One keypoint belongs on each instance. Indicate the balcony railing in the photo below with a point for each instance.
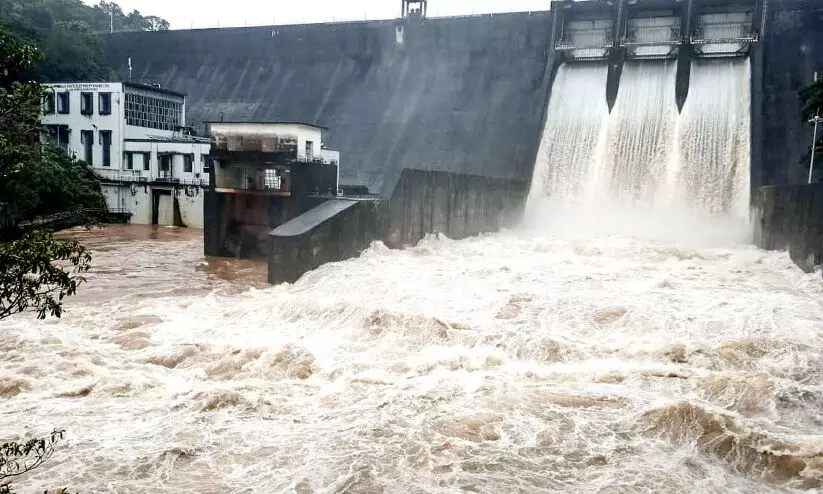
(141, 179)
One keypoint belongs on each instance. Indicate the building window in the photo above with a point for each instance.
(188, 162)
(165, 165)
(105, 141)
(104, 103)
(87, 139)
(48, 103)
(309, 150)
(163, 113)
(86, 103)
(146, 161)
(129, 161)
(204, 163)
(59, 136)
(63, 103)
(272, 180)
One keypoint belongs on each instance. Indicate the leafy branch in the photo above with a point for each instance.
(19, 458)
(31, 277)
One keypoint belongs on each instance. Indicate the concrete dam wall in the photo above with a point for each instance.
(469, 95)
(788, 57)
(462, 95)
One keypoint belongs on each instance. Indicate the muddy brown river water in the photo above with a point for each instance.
(510, 362)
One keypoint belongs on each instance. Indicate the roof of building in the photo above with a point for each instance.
(175, 139)
(136, 85)
(239, 122)
(154, 88)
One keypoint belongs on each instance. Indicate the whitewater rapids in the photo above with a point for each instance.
(509, 362)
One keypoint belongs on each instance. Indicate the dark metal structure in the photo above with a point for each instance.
(623, 30)
(414, 9)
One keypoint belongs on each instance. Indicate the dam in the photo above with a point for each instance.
(578, 307)
(431, 103)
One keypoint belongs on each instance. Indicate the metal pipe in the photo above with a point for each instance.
(814, 144)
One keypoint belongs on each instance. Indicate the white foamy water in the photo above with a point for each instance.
(599, 347)
(641, 132)
(524, 361)
(644, 154)
(575, 135)
(714, 140)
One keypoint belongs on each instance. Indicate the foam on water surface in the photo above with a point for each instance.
(525, 360)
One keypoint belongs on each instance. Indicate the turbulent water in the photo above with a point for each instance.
(644, 153)
(714, 137)
(523, 361)
(574, 137)
(598, 347)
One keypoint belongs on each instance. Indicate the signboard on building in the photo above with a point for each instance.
(85, 86)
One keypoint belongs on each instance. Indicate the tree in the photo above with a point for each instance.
(19, 458)
(31, 278)
(19, 107)
(35, 180)
(37, 271)
(67, 32)
(157, 24)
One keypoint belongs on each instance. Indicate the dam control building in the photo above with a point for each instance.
(445, 119)
(264, 174)
(134, 136)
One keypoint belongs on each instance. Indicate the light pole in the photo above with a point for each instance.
(817, 120)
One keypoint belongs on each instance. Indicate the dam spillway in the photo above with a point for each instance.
(714, 137)
(676, 131)
(644, 152)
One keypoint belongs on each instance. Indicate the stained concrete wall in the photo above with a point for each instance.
(137, 199)
(424, 201)
(333, 231)
(791, 51)
(457, 205)
(463, 95)
(791, 218)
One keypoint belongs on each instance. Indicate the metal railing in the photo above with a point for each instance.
(141, 179)
(77, 214)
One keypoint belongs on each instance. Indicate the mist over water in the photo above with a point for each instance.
(644, 169)
(601, 346)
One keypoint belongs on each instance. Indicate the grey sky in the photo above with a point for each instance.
(184, 14)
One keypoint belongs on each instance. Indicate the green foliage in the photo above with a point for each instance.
(35, 179)
(31, 281)
(57, 184)
(36, 272)
(19, 107)
(16, 57)
(19, 458)
(66, 31)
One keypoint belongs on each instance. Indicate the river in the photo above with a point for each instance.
(519, 361)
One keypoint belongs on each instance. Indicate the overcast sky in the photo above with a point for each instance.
(184, 14)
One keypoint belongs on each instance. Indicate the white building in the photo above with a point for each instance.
(136, 140)
(297, 140)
